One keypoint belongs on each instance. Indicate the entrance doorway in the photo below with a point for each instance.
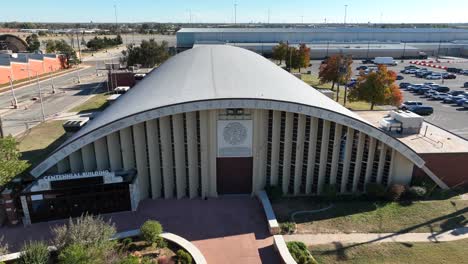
(234, 175)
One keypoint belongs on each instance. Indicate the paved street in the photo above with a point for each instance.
(450, 117)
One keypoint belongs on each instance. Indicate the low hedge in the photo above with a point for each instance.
(300, 253)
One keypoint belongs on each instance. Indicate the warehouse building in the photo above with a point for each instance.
(359, 42)
(215, 120)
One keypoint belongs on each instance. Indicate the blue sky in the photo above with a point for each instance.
(222, 11)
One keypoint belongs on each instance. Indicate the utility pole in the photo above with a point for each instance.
(235, 13)
(52, 79)
(404, 52)
(345, 13)
(268, 15)
(15, 101)
(368, 49)
(79, 46)
(40, 97)
(115, 13)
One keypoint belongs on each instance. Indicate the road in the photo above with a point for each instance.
(450, 117)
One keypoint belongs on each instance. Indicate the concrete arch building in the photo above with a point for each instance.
(218, 120)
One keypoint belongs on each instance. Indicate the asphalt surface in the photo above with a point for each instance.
(449, 117)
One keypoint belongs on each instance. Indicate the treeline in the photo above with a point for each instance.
(295, 58)
(103, 43)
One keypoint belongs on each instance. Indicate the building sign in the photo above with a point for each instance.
(234, 138)
(44, 183)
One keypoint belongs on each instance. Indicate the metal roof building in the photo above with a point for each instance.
(220, 120)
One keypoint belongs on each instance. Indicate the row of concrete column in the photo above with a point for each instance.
(340, 143)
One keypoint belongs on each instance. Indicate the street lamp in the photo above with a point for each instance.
(40, 91)
(15, 101)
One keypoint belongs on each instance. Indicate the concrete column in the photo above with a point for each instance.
(166, 152)
(323, 155)
(139, 137)
(383, 150)
(24, 205)
(263, 148)
(259, 147)
(63, 166)
(76, 161)
(126, 144)
(391, 169)
(89, 159)
(347, 158)
(102, 156)
(401, 169)
(154, 158)
(213, 150)
(204, 153)
(311, 154)
(287, 151)
(113, 147)
(336, 154)
(191, 124)
(179, 154)
(275, 142)
(357, 168)
(299, 153)
(370, 159)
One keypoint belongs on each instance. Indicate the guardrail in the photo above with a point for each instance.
(273, 225)
(197, 256)
(282, 249)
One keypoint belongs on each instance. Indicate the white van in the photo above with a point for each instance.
(385, 61)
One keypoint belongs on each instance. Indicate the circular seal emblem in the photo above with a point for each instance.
(235, 133)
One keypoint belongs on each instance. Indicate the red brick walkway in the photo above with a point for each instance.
(226, 230)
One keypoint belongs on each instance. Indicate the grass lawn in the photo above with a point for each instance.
(41, 140)
(95, 103)
(386, 253)
(359, 105)
(363, 216)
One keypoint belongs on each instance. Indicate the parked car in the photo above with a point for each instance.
(409, 104)
(404, 85)
(423, 74)
(455, 93)
(399, 77)
(453, 98)
(440, 96)
(423, 90)
(411, 67)
(442, 89)
(464, 72)
(410, 71)
(465, 104)
(367, 61)
(362, 67)
(465, 85)
(454, 70)
(414, 87)
(461, 101)
(429, 93)
(449, 76)
(433, 76)
(421, 109)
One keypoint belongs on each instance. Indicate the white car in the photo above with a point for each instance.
(441, 96)
(434, 77)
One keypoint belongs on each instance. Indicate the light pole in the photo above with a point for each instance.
(15, 101)
(345, 13)
(235, 13)
(52, 79)
(40, 92)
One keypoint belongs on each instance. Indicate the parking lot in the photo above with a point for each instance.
(448, 116)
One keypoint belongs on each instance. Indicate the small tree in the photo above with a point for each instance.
(377, 88)
(183, 257)
(280, 51)
(34, 253)
(33, 43)
(10, 162)
(151, 231)
(304, 56)
(62, 47)
(76, 254)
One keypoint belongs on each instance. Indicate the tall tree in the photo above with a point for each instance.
(280, 51)
(62, 47)
(293, 59)
(336, 69)
(148, 54)
(377, 88)
(304, 56)
(10, 162)
(33, 43)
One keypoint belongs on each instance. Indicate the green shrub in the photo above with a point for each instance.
(183, 257)
(151, 231)
(35, 252)
(395, 192)
(130, 260)
(76, 254)
(300, 253)
(3, 246)
(126, 242)
(86, 230)
(418, 191)
(148, 260)
(329, 192)
(274, 192)
(287, 227)
(375, 190)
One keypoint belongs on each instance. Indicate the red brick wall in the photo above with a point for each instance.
(48, 65)
(4, 73)
(451, 168)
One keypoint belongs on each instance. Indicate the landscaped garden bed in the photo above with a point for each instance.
(88, 240)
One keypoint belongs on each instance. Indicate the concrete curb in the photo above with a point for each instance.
(273, 225)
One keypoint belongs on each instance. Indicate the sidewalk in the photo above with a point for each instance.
(357, 238)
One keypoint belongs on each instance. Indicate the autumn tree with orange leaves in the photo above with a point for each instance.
(377, 88)
(336, 69)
